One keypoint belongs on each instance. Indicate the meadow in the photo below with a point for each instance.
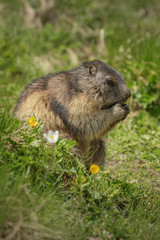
(64, 200)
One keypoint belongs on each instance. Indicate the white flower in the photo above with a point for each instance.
(51, 137)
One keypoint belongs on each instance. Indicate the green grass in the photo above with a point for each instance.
(122, 200)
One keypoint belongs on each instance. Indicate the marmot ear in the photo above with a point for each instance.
(92, 70)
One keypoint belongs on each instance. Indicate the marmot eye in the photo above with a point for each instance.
(109, 81)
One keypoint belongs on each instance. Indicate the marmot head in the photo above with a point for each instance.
(102, 83)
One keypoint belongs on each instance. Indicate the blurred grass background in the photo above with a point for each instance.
(38, 37)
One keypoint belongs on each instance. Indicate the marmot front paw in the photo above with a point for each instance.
(121, 110)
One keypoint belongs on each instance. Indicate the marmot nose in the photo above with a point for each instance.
(128, 95)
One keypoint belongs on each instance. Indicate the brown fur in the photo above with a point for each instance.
(83, 104)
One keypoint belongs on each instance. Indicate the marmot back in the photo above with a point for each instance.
(82, 104)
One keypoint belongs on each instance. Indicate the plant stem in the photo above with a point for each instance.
(51, 162)
(94, 186)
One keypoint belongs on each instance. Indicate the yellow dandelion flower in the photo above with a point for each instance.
(94, 168)
(32, 122)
